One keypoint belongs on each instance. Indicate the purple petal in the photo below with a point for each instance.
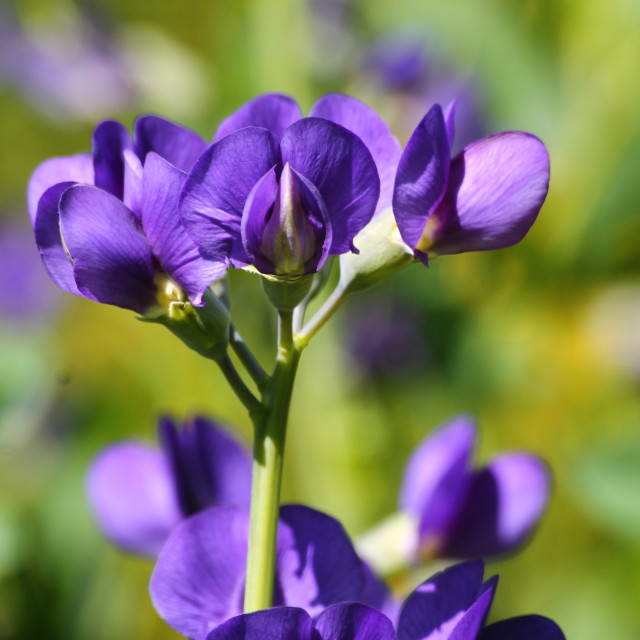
(316, 564)
(47, 233)
(280, 623)
(110, 141)
(473, 620)
(434, 609)
(78, 168)
(112, 261)
(210, 468)
(217, 188)
(273, 111)
(449, 113)
(437, 479)
(523, 628)
(375, 593)
(198, 581)
(422, 176)
(165, 232)
(176, 144)
(340, 166)
(354, 621)
(496, 188)
(285, 227)
(506, 500)
(360, 119)
(132, 496)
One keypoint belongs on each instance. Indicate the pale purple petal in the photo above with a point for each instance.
(198, 581)
(132, 497)
(449, 113)
(475, 617)
(354, 621)
(210, 467)
(372, 130)
(165, 232)
(437, 478)
(316, 564)
(112, 260)
(47, 234)
(215, 192)
(506, 500)
(176, 144)
(433, 610)
(523, 628)
(340, 166)
(273, 111)
(495, 191)
(422, 176)
(279, 623)
(78, 168)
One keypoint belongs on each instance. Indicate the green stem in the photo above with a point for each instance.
(250, 402)
(268, 453)
(253, 367)
(331, 305)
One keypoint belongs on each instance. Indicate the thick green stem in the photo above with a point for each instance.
(268, 453)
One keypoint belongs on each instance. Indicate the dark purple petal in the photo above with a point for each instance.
(437, 479)
(110, 141)
(279, 623)
(198, 581)
(474, 618)
(47, 233)
(78, 168)
(422, 176)
(176, 144)
(215, 192)
(375, 593)
(523, 628)
(112, 261)
(360, 119)
(340, 166)
(209, 466)
(506, 500)
(316, 564)
(434, 609)
(272, 111)
(161, 185)
(132, 497)
(285, 226)
(354, 621)
(496, 188)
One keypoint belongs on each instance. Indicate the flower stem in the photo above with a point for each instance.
(255, 370)
(268, 453)
(331, 305)
(250, 402)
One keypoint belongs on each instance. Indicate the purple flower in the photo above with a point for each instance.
(463, 512)
(139, 493)
(487, 197)
(107, 224)
(198, 582)
(452, 605)
(282, 192)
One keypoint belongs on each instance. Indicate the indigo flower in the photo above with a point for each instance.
(452, 605)
(139, 493)
(198, 582)
(107, 225)
(487, 197)
(463, 512)
(281, 192)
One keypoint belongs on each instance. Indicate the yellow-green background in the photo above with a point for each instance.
(539, 341)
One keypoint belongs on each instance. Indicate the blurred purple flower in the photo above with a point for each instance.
(198, 582)
(107, 224)
(452, 605)
(25, 293)
(139, 493)
(487, 197)
(463, 512)
(282, 192)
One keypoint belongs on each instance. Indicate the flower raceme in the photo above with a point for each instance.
(282, 192)
(452, 605)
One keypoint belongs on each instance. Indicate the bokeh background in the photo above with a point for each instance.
(541, 341)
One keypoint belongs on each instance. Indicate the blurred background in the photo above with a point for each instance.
(541, 341)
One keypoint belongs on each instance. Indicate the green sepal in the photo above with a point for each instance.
(285, 294)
